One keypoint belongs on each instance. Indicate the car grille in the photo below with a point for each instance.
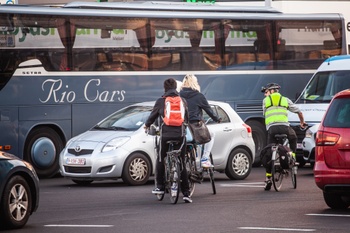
(81, 152)
(77, 169)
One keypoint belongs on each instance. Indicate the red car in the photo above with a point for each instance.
(332, 161)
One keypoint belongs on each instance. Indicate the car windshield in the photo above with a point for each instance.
(324, 86)
(129, 119)
(338, 115)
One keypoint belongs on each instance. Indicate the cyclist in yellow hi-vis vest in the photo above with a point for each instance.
(275, 109)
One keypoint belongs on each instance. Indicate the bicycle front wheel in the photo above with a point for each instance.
(174, 180)
(211, 175)
(277, 176)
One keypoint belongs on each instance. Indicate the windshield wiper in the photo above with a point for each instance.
(99, 127)
(110, 128)
(118, 128)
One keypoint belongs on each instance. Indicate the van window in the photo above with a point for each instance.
(324, 86)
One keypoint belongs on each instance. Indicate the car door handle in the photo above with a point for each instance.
(227, 130)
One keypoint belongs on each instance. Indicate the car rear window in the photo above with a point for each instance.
(338, 114)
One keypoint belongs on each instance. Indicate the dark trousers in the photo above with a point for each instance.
(163, 148)
(283, 129)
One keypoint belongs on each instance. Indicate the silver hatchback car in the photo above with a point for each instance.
(118, 147)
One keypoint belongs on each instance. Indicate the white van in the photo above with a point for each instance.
(331, 77)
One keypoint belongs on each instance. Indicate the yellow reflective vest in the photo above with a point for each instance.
(276, 109)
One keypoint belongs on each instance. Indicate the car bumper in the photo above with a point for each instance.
(97, 167)
(331, 180)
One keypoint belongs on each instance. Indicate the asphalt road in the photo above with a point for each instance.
(239, 206)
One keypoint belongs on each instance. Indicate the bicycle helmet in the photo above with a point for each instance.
(270, 86)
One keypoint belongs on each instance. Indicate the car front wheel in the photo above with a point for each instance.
(239, 164)
(137, 169)
(16, 203)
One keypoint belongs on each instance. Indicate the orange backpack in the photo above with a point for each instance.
(174, 111)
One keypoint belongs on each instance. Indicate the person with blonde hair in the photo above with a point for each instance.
(197, 102)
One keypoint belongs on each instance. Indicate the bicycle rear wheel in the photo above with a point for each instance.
(277, 176)
(211, 175)
(174, 180)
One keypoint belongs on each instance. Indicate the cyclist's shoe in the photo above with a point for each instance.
(205, 163)
(187, 199)
(268, 184)
(158, 191)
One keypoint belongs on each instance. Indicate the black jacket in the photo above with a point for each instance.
(158, 111)
(196, 101)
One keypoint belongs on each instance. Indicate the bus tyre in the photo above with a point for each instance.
(42, 150)
(136, 170)
(16, 194)
(259, 137)
(239, 164)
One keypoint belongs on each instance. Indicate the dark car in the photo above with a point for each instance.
(332, 164)
(19, 191)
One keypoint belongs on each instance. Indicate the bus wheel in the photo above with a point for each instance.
(42, 150)
(259, 137)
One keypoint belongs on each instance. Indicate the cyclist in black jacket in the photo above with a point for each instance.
(167, 133)
(197, 102)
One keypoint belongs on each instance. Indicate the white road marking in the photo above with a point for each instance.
(67, 225)
(330, 215)
(248, 185)
(276, 229)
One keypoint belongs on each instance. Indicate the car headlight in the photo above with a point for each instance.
(115, 143)
(308, 134)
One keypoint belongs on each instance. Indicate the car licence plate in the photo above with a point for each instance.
(76, 161)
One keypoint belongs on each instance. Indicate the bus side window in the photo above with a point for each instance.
(55, 59)
(84, 60)
(132, 61)
(193, 60)
(315, 54)
(159, 61)
(214, 61)
(245, 57)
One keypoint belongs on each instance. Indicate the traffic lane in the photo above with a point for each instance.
(239, 206)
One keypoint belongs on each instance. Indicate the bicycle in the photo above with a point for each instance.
(278, 172)
(195, 174)
(172, 163)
